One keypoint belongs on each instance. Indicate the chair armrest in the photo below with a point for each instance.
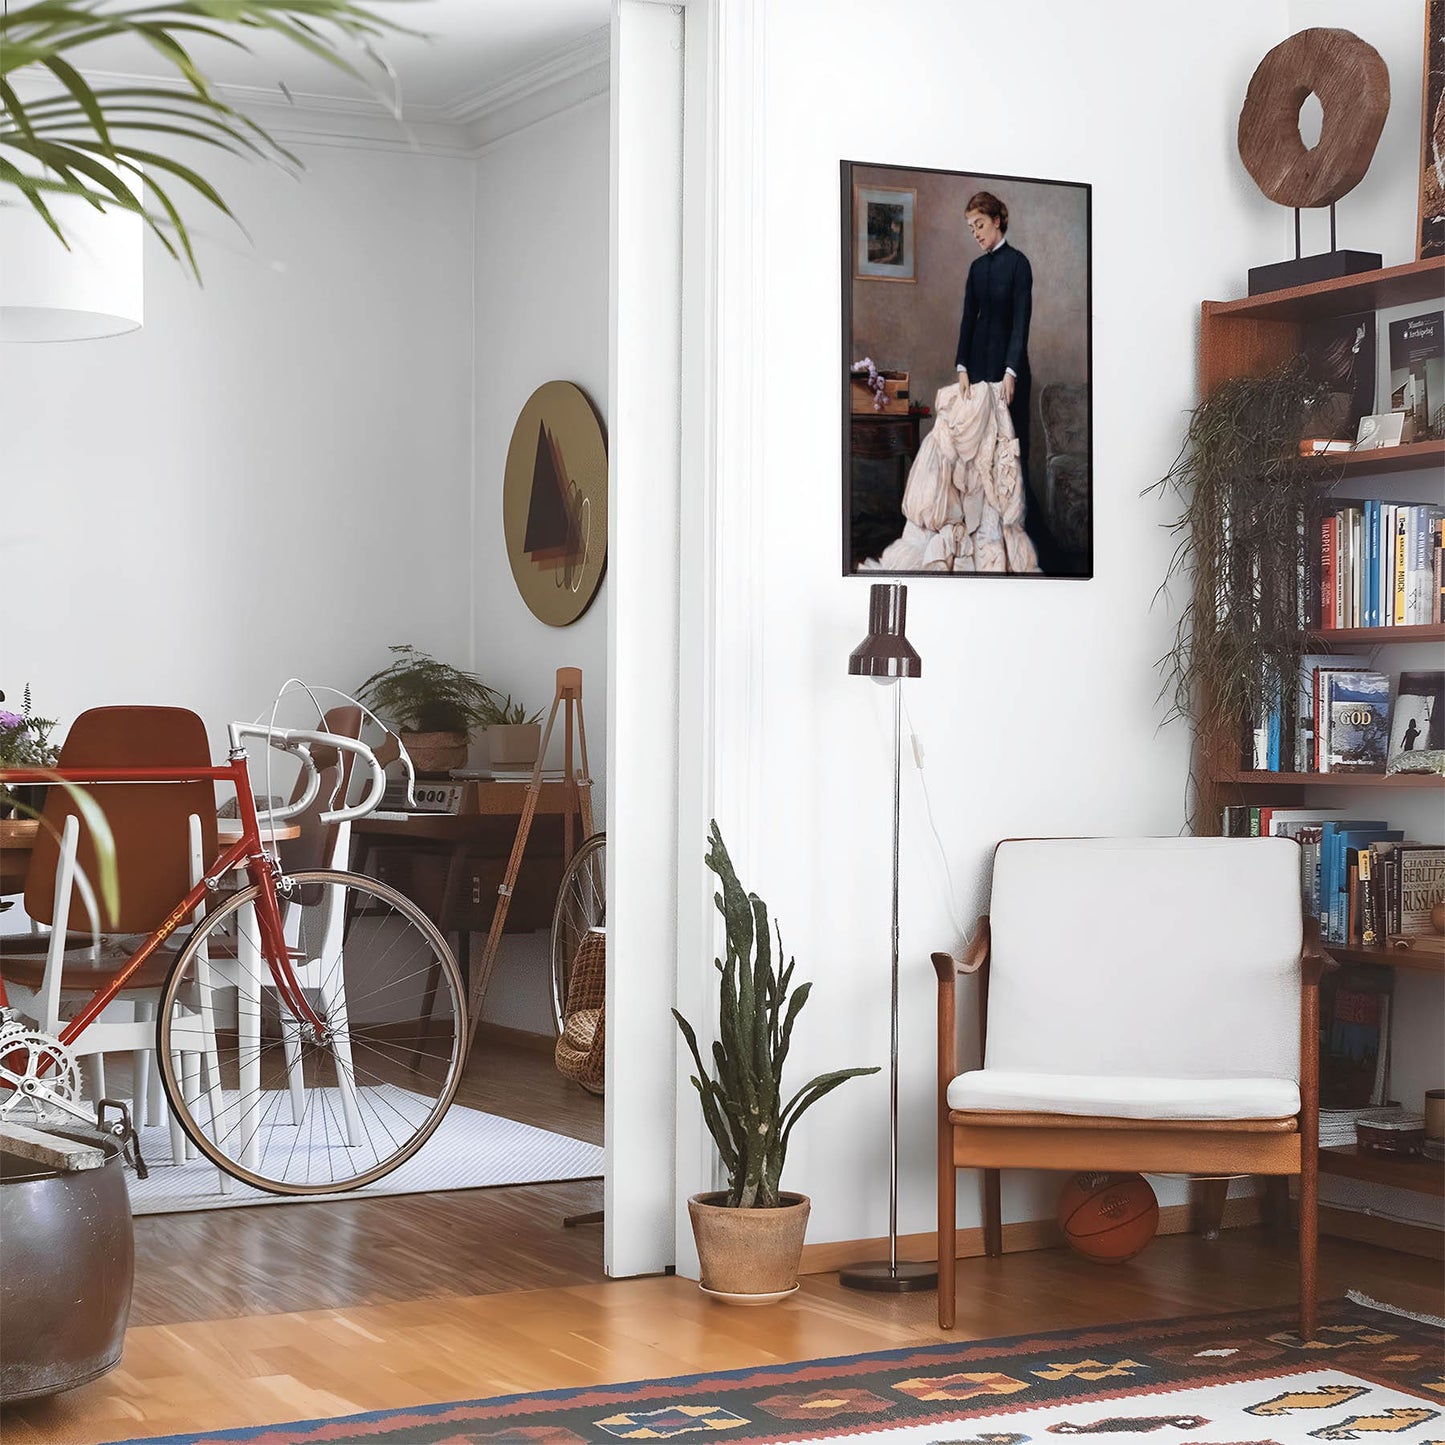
(947, 969)
(974, 958)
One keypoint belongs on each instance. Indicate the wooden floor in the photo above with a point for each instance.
(249, 1317)
(265, 1369)
(224, 1263)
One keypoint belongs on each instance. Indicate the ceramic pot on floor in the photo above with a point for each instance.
(748, 1256)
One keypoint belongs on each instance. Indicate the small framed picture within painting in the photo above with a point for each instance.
(883, 226)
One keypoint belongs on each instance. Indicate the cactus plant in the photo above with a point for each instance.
(742, 1104)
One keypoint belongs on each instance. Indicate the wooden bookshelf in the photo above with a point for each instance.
(1249, 779)
(1381, 461)
(1419, 962)
(1379, 636)
(1400, 1171)
(1251, 337)
(1415, 281)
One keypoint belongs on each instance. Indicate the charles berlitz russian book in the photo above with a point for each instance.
(1420, 882)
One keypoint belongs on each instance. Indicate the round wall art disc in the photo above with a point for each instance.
(554, 503)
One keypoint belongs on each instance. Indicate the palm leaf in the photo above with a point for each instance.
(66, 134)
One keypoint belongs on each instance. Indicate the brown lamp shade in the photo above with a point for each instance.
(886, 653)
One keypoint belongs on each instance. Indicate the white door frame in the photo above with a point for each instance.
(683, 634)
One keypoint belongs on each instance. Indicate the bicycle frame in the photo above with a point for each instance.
(260, 867)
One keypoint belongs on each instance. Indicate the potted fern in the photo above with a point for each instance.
(434, 704)
(750, 1236)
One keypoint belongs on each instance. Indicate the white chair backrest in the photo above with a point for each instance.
(1173, 957)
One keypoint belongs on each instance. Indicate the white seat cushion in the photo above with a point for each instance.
(1119, 1097)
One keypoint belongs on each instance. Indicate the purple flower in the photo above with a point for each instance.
(11, 719)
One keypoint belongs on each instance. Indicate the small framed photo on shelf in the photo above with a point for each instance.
(884, 228)
(1383, 429)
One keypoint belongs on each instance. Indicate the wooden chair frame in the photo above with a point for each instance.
(994, 1140)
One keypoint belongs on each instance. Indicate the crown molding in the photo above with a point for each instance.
(566, 78)
(578, 60)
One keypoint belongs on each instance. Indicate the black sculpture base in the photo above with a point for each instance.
(881, 1278)
(1306, 270)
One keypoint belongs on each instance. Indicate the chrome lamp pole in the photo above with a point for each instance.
(886, 656)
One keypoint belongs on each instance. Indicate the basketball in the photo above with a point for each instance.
(1108, 1217)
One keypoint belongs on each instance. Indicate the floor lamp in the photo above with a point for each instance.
(886, 656)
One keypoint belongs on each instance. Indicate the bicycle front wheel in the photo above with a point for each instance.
(273, 1100)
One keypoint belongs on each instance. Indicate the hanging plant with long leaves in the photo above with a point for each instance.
(94, 142)
(1243, 542)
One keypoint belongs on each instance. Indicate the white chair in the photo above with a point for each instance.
(1144, 1004)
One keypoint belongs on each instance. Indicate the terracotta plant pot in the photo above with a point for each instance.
(748, 1256)
(513, 745)
(434, 755)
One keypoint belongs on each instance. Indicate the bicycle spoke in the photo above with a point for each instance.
(301, 1111)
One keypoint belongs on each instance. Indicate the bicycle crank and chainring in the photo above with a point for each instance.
(38, 1074)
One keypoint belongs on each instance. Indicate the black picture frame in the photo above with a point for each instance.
(914, 330)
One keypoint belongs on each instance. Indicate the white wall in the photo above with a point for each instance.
(1037, 708)
(541, 283)
(303, 420)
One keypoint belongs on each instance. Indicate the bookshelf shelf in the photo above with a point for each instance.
(1420, 962)
(1378, 636)
(1412, 456)
(1416, 281)
(1424, 1176)
(1330, 780)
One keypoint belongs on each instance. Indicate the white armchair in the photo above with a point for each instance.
(1144, 1004)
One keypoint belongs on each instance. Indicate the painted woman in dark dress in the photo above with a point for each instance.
(993, 337)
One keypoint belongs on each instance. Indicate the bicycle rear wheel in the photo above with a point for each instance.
(274, 1102)
(581, 905)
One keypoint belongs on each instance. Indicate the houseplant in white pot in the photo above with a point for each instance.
(750, 1236)
(434, 704)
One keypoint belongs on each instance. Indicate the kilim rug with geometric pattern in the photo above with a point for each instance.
(1236, 1379)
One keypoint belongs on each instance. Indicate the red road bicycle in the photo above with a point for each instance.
(311, 1030)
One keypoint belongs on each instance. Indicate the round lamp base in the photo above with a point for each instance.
(883, 1278)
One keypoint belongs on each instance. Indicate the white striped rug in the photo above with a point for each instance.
(470, 1150)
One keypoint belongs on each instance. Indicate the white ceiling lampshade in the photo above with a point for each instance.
(94, 289)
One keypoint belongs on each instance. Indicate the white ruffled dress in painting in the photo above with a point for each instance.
(964, 502)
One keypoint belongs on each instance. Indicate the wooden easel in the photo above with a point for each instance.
(578, 783)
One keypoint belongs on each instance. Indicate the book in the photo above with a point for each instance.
(1417, 720)
(1419, 885)
(1417, 369)
(1354, 1038)
(1357, 713)
(1305, 760)
(1323, 446)
(1339, 352)
(1420, 587)
(1337, 1126)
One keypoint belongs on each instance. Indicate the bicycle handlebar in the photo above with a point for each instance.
(299, 742)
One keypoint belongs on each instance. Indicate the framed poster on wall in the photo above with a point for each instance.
(967, 417)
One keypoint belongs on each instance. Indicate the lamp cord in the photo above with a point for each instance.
(916, 749)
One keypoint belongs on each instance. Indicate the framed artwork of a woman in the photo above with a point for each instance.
(974, 457)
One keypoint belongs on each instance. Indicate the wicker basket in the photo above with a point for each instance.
(580, 1051)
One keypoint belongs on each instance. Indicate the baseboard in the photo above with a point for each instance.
(1387, 1233)
(1022, 1235)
